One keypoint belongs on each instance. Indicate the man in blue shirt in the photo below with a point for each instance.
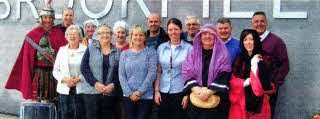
(224, 31)
(156, 35)
(193, 27)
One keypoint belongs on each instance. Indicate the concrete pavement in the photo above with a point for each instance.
(6, 116)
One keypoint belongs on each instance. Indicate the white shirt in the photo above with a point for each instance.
(264, 35)
(228, 40)
(67, 64)
(74, 62)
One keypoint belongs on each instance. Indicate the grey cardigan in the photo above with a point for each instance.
(95, 65)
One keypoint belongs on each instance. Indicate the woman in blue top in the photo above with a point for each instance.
(169, 83)
(137, 72)
(99, 67)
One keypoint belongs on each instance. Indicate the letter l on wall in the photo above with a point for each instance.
(227, 11)
(278, 14)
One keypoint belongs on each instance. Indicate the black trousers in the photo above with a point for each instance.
(170, 106)
(80, 110)
(140, 109)
(98, 106)
(118, 107)
(273, 103)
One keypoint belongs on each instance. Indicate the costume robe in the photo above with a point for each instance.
(22, 72)
(238, 97)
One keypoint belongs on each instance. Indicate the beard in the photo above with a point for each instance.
(155, 31)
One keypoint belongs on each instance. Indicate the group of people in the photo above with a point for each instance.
(88, 77)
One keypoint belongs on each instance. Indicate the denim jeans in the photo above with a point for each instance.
(137, 110)
(67, 106)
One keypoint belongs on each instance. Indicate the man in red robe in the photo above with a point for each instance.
(24, 73)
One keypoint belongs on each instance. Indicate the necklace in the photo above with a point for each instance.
(106, 51)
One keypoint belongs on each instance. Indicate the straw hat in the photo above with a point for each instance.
(212, 102)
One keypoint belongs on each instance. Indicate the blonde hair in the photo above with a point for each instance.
(139, 29)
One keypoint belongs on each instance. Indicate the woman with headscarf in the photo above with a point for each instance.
(90, 27)
(251, 80)
(67, 73)
(99, 67)
(206, 71)
(169, 83)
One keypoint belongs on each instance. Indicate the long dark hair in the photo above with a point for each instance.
(178, 23)
(241, 65)
(257, 49)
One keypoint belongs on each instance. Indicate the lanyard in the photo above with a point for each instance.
(171, 56)
(171, 60)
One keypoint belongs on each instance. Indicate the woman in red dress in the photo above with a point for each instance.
(251, 81)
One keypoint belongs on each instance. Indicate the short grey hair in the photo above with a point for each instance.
(120, 24)
(74, 27)
(192, 17)
(103, 26)
(224, 20)
(68, 9)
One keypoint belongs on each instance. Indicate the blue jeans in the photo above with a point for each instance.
(137, 110)
(67, 106)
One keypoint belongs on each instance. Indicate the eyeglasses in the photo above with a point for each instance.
(104, 33)
(192, 24)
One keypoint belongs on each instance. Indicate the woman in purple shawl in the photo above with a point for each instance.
(208, 65)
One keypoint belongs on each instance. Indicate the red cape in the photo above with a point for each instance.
(21, 74)
(237, 98)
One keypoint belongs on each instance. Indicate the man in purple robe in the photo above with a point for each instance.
(276, 48)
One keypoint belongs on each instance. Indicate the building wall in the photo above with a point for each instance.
(298, 97)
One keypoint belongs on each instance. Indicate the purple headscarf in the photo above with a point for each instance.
(220, 60)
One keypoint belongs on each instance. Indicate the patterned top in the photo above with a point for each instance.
(137, 72)
(171, 80)
(153, 42)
